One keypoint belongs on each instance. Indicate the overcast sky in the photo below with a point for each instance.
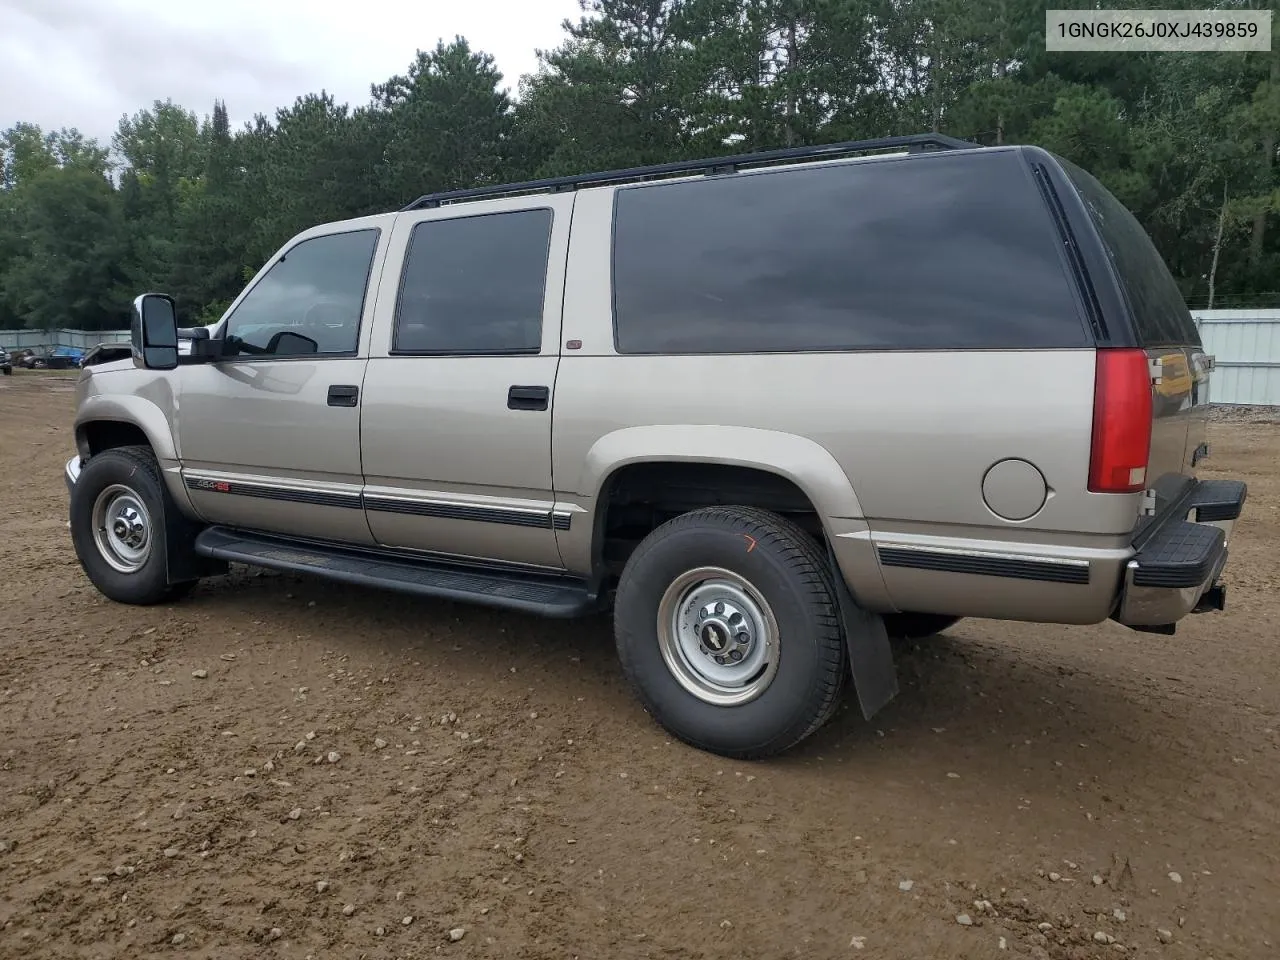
(85, 63)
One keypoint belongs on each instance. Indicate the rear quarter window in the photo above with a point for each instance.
(926, 252)
(1160, 313)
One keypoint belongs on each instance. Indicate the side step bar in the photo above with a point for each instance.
(541, 594)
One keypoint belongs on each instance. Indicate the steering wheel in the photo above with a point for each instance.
(324, 318)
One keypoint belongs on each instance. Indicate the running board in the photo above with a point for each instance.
(542, 594)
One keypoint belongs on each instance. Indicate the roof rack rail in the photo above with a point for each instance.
(712, 165)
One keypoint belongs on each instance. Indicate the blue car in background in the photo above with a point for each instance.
(58, 358)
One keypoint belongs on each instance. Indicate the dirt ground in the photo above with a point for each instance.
(1059, 787)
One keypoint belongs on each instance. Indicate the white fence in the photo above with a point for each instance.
(79, 339)
(1245, 345)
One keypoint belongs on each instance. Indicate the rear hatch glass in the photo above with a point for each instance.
(1165, 328)
(1159, 309)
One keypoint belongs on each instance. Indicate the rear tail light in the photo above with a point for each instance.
(1121, 422)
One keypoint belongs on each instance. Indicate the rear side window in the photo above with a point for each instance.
(474, 285)
(1158, 308)
(915, 253)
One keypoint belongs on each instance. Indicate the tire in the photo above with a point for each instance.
(779, 582)
(119, 506)
(917, 626)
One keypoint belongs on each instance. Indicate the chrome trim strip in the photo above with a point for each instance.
(201, 483)
(989, 563)
(453, 510)
(548, 518)
(401, 498)
(992, 554)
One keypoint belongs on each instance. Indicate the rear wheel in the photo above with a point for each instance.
(119, 507)
(727, 628)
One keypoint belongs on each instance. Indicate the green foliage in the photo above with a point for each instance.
(188, 205)
(447, 123)
(65, 274)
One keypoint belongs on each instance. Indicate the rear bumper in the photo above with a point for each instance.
(1148, 583)
(1176, 568)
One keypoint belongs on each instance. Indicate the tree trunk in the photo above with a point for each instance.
(935, 91)
(937, 107)
(1002, 71)
(792, 56)
(1268, 161)
(1217, 246)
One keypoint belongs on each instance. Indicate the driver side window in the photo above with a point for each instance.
(315, 291)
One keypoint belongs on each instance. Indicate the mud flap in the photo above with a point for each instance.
(182, 563)
(870, 653)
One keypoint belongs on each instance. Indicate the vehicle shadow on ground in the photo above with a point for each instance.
(989, 705)
(1036, 721)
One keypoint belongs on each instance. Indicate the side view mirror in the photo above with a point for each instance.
(286, 343)
(154, 332)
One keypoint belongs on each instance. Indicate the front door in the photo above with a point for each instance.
(269, 437)
(456, 435)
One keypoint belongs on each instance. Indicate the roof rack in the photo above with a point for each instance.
(715, 165)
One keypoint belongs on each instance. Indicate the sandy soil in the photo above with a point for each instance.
(1059, 787)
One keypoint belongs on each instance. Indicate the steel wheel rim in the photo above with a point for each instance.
(122, 529)
(718, 636)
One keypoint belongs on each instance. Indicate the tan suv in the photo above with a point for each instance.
(774, 409)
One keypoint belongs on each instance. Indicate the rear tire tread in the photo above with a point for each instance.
(798, 550)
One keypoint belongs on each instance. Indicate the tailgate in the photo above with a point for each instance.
(1179, 411)
(1165, 329)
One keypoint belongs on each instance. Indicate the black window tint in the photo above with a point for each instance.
(923, 253)
(475, 285)
(1158, 307)
(316, 290)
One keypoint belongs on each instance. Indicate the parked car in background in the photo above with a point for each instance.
(56, 358)
(6, 363)
(105, 353)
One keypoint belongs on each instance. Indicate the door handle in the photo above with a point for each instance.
(528, 398)
(343, 395)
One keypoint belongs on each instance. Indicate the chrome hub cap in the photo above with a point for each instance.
(718, 636)
(122, 528)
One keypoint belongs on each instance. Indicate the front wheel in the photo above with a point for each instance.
(727, 628)
(119, 507)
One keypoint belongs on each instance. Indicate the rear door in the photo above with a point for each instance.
(1166, 330)
(456, 418)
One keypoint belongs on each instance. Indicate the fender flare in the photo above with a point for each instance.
(148, 417)
(127, 408)
(804, 462)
